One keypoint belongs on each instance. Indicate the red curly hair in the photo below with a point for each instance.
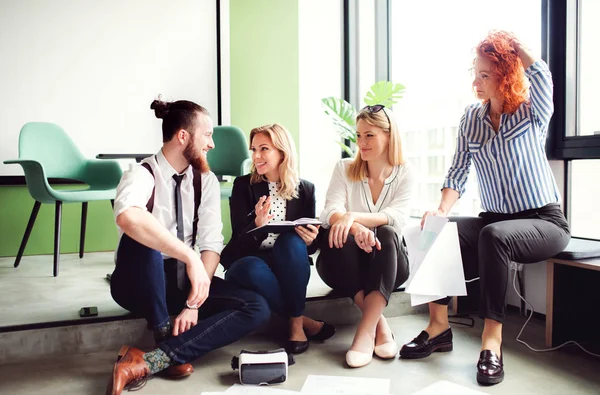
(499, 48)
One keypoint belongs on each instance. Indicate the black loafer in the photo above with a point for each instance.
(422, 346)
(296, 347)
(325, 333)
(490, 368)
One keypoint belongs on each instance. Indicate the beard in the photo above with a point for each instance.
(195, 158)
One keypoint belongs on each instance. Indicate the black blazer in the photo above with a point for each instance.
(241, 203)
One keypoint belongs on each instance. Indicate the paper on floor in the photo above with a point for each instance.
(447, 388)
(341, 385)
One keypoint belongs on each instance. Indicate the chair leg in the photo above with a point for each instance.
(57, 219)
(32, 217)
(84, 207)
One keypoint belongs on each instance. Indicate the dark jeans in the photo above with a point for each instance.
(280, 275)
(489, 243)
(145, 285)
(350, 269)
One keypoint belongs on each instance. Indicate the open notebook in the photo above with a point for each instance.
(285, 226)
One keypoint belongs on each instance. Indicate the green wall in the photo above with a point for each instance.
(264, 64)
(264, 89)
(101, 231)
(15, 209)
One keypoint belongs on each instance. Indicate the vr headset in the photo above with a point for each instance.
(262, 367)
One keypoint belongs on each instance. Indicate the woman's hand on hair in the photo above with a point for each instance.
(338, 233)
(524, 53)
(365, 238)
(261, 210)
(307, 233)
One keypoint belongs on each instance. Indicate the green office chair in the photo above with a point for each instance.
(229, 154)
(46, 151)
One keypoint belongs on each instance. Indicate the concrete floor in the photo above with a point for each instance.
(563, 372)
(38, 297)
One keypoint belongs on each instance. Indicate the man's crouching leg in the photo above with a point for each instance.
(228, 314)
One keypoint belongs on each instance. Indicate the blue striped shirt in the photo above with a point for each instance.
(512, 169)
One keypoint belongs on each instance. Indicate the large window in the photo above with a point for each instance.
(431, 50)
(575, 61)
(589, 67)
(585, 189)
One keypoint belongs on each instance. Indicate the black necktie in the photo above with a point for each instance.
(182, 280)
(178, 209)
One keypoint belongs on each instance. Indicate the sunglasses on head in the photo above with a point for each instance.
(375, 109)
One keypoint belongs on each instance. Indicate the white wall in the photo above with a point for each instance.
(225, 64)
(320, 75)
(94, 67)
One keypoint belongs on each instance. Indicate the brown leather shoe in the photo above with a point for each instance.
(177, 371)
(172, 372)
(130, 369)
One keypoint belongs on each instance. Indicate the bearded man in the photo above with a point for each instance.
(163, 208)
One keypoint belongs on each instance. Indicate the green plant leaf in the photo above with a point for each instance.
(386, 93)
(344, 130)
(340, 110)
(346, 148)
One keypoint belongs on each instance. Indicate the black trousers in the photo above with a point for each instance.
(489, 243)
(349, 269)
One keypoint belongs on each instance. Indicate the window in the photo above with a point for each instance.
(585, 189)
(589, 68)
(575, 61)
(431, 53)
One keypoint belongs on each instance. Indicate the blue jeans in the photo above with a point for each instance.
(147, 286)
(280, 275)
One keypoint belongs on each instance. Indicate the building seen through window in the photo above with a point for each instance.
(431, 55)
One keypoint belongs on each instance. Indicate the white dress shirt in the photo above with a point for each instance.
(345, 195)
(135, 190)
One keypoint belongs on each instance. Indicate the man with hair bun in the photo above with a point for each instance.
(164, 208)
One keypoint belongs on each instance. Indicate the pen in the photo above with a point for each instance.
(253, 210)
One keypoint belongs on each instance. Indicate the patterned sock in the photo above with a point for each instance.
(160, 334)
(157, 360)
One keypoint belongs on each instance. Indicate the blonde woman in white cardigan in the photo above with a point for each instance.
(362, 250)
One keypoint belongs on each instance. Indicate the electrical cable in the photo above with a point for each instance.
(529, 318)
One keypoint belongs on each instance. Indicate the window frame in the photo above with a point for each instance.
(562, 30)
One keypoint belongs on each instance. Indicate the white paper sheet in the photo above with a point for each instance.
(435, 261)
(447, 388)
(239, 389)
(341, 385)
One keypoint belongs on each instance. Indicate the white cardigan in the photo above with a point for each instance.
(344, 195)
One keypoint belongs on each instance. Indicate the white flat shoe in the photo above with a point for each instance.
(387, 350)
(356, 359)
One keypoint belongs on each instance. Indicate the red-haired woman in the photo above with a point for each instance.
(504, 136)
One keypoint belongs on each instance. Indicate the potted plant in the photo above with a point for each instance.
(343, 114)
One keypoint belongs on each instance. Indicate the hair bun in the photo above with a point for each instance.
(161, 108)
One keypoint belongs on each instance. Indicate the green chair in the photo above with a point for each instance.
(229, 154)
(46, 151)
